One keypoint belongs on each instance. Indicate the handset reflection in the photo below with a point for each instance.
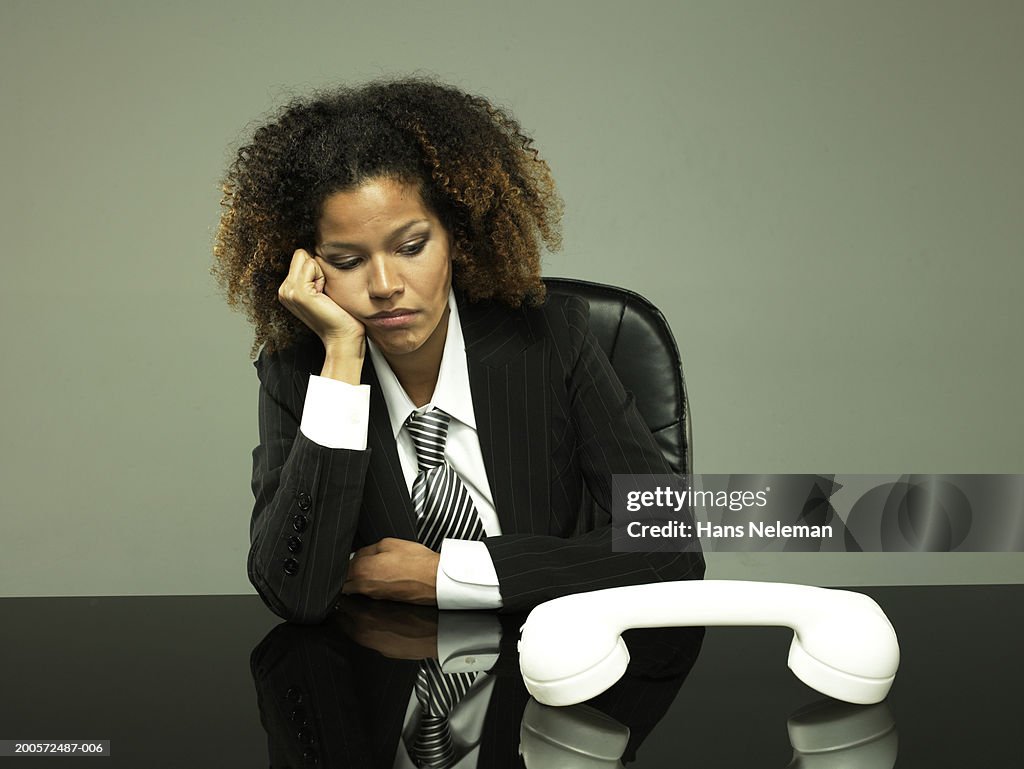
(829, 734)
(577, 737)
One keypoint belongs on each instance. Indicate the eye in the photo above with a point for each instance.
(412, 249)
(345, 264)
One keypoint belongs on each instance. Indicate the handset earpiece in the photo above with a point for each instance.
(571, 648)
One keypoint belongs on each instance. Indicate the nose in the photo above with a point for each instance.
(384, 279)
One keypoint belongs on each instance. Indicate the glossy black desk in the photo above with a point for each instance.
(168, 681)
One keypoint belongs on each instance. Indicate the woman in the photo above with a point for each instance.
(402, 222)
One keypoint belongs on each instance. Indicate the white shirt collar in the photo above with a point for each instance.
(451, 393)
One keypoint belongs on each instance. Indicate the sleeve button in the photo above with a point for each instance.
(294, 545)
(299, 523)
(305, 501)
(291, 567)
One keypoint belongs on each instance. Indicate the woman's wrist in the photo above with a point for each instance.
(344, 361)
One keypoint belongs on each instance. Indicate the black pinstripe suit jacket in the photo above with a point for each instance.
(554, 424)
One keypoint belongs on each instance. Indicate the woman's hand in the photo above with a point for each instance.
(394, 570)
(344, 337)
(302, 293)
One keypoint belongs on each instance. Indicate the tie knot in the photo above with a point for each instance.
(429, 431)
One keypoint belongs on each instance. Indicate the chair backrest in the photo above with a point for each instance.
(639, 343)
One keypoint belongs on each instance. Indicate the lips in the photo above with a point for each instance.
(393, 318)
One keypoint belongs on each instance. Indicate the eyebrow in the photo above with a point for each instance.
(396, 234)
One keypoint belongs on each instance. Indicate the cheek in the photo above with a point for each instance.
(429, 279)
(441, 276)
(340, 294)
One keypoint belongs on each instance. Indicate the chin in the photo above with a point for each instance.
(394, 346)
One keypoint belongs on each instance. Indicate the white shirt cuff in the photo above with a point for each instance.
(336, 414)
(465, 576)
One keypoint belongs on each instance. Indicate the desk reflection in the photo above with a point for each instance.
(342, 693)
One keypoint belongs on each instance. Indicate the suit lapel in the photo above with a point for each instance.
(386, 498)
(508, 379)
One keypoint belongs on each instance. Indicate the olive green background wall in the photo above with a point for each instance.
(824, 197)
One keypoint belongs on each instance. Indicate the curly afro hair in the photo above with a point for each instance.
(475, 168)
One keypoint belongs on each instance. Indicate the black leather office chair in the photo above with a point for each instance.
(639, 343)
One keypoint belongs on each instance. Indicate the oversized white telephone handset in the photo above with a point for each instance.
(571, 648)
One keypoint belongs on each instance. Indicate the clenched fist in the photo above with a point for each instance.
(302, 293)
(344, 337)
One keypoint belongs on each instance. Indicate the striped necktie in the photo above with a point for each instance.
(444, 509)
(443, 506)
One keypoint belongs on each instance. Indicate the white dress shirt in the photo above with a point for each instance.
(336, 415)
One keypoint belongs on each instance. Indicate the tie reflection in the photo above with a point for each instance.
(396, 686)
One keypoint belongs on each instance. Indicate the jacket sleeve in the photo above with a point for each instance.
(307, 501)
(611, 437)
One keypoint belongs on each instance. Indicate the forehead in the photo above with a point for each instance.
(374, 208)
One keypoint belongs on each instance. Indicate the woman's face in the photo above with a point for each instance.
(387, 261)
